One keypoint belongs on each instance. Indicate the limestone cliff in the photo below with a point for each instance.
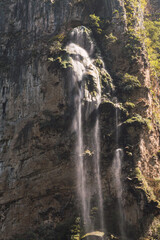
(38, 197)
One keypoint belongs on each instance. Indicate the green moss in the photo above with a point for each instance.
(61, 61)
(116, 14)
(133, 7)
(88, 153)
(94, 21)
(55, 47)
(98, 63)
(136, 118)
(97, 24)
(59, 37)
(110, 39)
(91, 85)
(154, 230)
(129, 154)
(158, 154)
(144, 185)
(129, 83)
(151, 37)
(123, 109)
(94, 211)
(149, 123)
(106, 80)
(154, 183)
(133, 46)
(129, 105)
(140, 120)
(75, 230)
(57, 54)
(108, 102)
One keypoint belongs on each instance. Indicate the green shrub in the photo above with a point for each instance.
(152, 41)
(144, 185)
(75, 230)
(96, 24)
(140, 120)
(91, 85)
(129, 83)
(133, 45)
(106, 80)
(62, 60)
(94, 21)
(98, 63)
(110, 39)
(134, 119)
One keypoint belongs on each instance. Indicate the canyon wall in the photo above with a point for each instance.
(38, 196)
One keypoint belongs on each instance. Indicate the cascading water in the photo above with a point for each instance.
(80, 50)
(97, 168)
(117, 165)
(117, 170)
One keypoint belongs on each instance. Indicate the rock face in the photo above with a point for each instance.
(37, 164)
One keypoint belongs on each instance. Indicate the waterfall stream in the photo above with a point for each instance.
(116, 168)
(117, 173)
(89, 187)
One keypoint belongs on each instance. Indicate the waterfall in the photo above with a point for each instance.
(97, 168)
(80, 50)
(116, 170)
